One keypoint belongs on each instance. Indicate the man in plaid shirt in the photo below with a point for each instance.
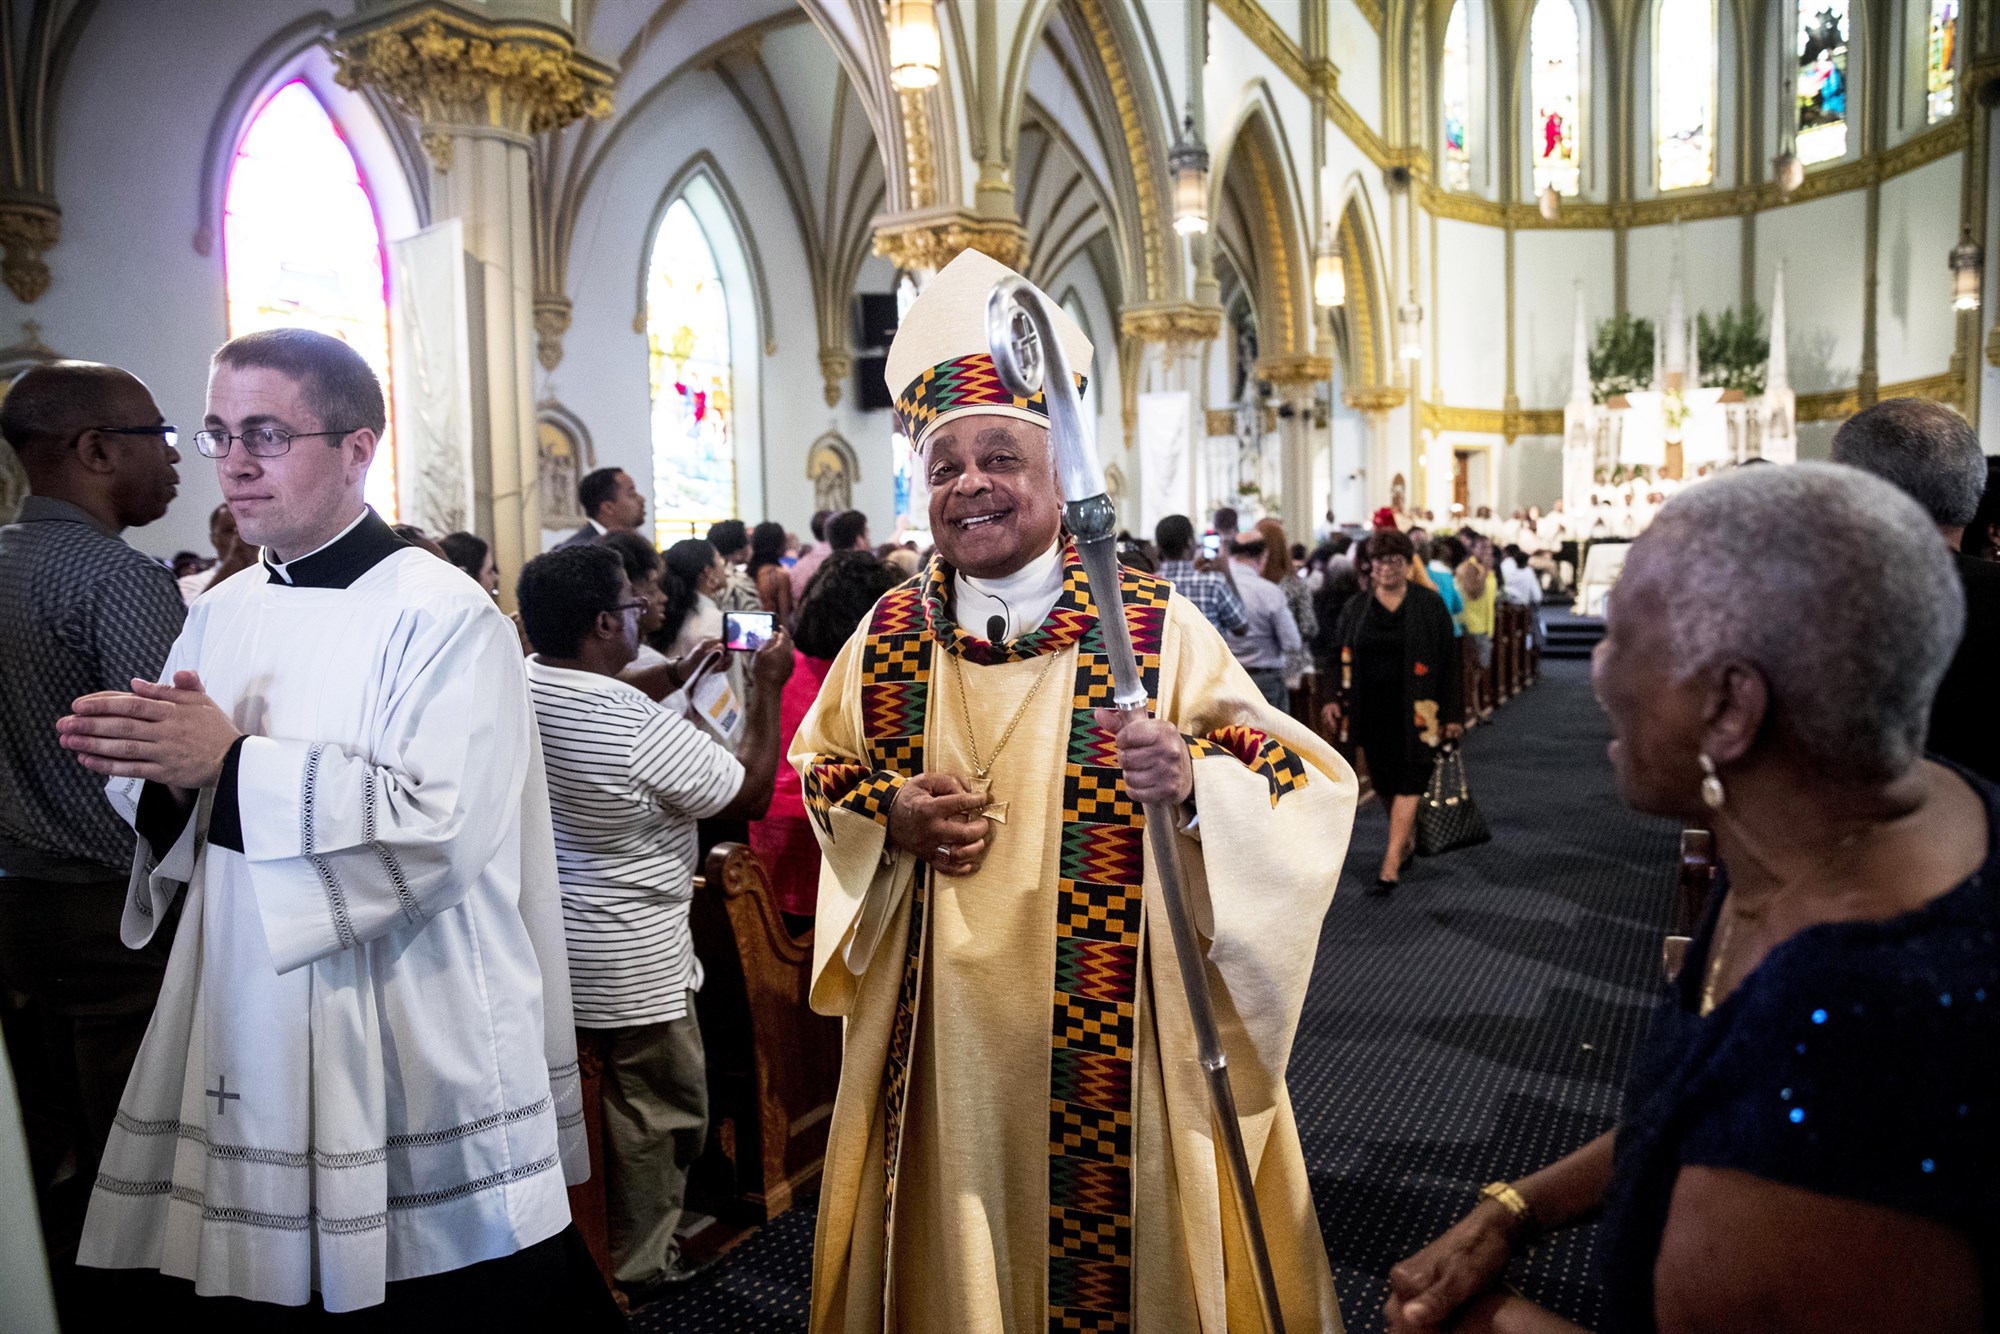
(1213, 593)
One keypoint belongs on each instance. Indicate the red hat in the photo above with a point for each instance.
(1385, 518)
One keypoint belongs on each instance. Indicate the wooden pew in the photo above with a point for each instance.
(1692, 888)
(773, 1065)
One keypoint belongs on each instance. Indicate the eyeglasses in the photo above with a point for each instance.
(263, 442)
(166, 435)
(639, 605)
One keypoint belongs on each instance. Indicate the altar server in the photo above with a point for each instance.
(360, 1086)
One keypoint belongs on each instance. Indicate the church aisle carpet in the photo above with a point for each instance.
(1473, 1027)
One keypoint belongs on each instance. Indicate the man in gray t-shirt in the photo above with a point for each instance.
(80, 611)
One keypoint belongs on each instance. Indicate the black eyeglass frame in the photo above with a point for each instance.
(168, 436)
(226, 440)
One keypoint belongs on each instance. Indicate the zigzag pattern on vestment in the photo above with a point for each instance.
(1259, 752)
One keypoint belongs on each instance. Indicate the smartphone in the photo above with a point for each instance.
(747, 631)
(1211, 545)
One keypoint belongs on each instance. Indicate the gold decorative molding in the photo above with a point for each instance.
(1918, 151)
(447, 69)
(1377, 398)
(1316, 76)
(1372, 11)
(931, 242)
(1840, 404)
(27, 230)
(919, 164)
(552, 314)
(1510, 423)
(1183, 323)
(1152, 222)
(834, 366)
(1294, 370)
(1993, 345)
(1220, 421)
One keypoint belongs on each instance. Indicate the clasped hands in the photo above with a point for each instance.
(936, 816)
(171, 734)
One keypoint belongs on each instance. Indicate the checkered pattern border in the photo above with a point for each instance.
(963, 382)
(1258, 751)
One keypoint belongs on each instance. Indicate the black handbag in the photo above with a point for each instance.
(1447, 817)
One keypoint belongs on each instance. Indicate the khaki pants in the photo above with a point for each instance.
(655, 1105)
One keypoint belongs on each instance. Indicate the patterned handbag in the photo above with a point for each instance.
(1447, 818)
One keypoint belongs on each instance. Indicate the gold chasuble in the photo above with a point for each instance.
(1022, 1138)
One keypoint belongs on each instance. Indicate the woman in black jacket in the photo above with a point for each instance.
(1399, 689)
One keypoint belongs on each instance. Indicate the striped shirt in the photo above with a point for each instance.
(627, 781)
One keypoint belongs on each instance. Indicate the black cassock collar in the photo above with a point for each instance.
(342, 561)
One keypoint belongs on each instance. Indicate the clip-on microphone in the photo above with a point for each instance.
(996, 629)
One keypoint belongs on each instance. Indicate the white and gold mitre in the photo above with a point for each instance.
(940, 368)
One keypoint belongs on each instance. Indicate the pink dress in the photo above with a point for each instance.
(783, 840)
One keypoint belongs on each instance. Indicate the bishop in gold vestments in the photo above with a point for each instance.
(1022, 1138)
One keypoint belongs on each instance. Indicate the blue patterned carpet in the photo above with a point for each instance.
(1472, 1027)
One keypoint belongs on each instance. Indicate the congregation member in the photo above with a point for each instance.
(1807, 1141)
(359, 1090)
(80, 611)
(1440, 558)
(767, 571)
(1225, 525)
(1281, 568)
(980, 915)
(232, 555)
(611, 504)
(1400, 693)
(1211, 593)
(1520, 585)
(474, 555)
(1478, 588)
(837, 601)
(627, 781)
(847, 531)
(1982, 534)
(1930, 453)
(1269, 640)
(421, 540)
(809, 560)
(731, 540)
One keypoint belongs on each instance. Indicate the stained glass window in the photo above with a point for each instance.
(1556, 48)
(1941, 62)
(1822, 84)
(1684, 76)
(1456, 82)
(302, 248)
(687, 342)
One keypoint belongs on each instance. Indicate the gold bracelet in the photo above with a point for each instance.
(1518, 1209)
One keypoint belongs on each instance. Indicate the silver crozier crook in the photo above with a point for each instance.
(1030, 360)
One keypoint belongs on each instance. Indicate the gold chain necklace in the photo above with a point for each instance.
(1715, 959)
(995, 811)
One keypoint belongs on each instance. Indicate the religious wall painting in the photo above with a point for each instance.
(832, 468)
(1684, 85)
(566, 457)
(1822, 80)
(688, 356)
(1455, 82)
(1556, 89)
(302, 245)
(1940, 62)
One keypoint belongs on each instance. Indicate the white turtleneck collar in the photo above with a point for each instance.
(1022, 599)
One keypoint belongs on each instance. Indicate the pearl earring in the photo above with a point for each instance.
(1711, 784)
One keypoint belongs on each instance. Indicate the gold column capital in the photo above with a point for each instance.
(1377, 398)
(931, 240)
(452, 71)
(27, 230)
(1294, 370)
(1177, 322)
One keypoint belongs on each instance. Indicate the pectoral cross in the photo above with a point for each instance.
(221, 1095)
(996, 811)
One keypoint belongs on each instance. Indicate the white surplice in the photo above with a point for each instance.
(362, 1066)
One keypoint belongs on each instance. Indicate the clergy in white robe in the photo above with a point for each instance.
(361, 1069)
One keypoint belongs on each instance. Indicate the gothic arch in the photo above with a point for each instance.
(1361, 326)
(834, 470)
(703, 166)
(1256, 205)
(382, 140)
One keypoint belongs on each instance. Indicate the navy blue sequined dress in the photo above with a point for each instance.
(1859, 1060)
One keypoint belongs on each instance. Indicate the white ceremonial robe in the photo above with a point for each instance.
(362, 1067)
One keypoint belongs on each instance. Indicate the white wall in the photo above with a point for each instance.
(1821, 244)
(1914, 322)
(1711, 253)
(1470, 313)
(1547, 266)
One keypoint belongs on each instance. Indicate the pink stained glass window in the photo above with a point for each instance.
(302, 247)
(1555, 83)
(1455, 79)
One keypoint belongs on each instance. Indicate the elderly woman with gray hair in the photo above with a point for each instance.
(1810, 1130)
